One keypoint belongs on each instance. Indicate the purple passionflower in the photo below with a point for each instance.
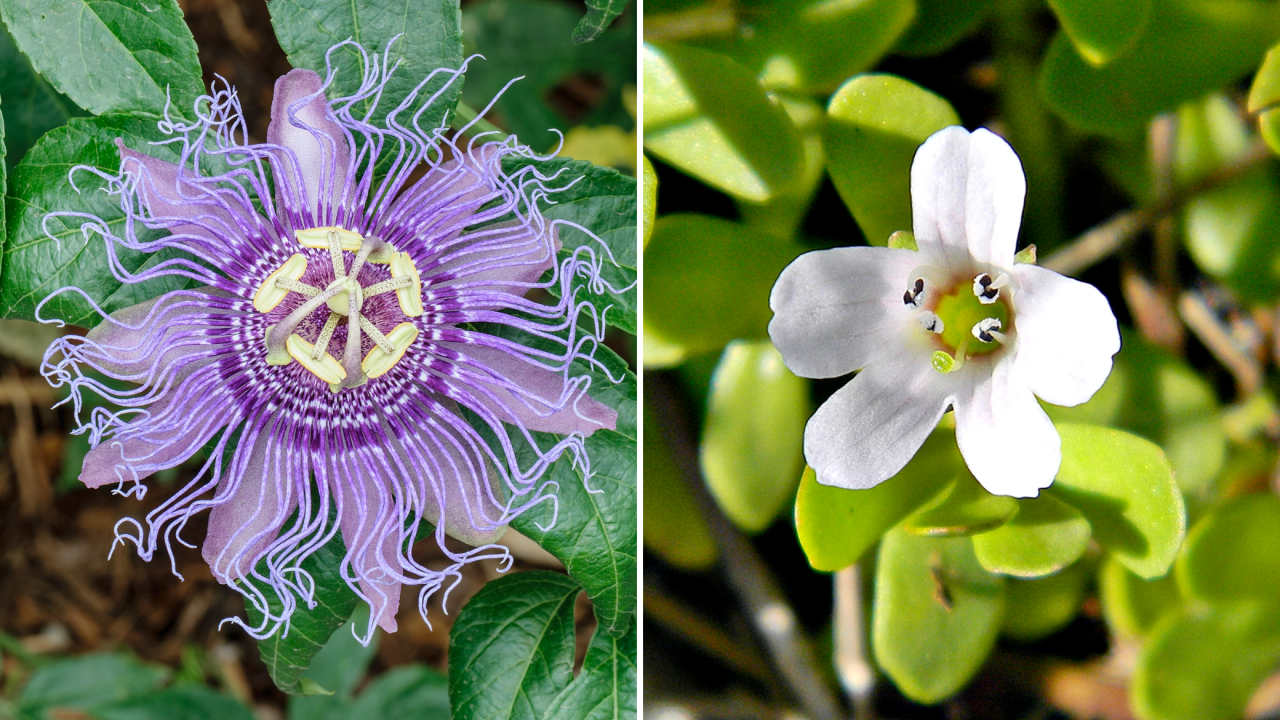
(336, 325)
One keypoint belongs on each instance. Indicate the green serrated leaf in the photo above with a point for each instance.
(34, 264)
(599, 14)
(87, 682)
(752, 435)
(936, 614)
(1124, 487)
(326, 687)
(602, 200)
(606, 687)
(1044, 537)
(180, 702)
(510, 32)
(287, 657)
(31, 106)
(511, 649)
(874, 125)
(707, 281)
(595, 533)
(110, 55)
(708, 116)
(431, 38)
(836, 526)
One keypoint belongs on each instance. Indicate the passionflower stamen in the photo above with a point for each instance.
(406, 378)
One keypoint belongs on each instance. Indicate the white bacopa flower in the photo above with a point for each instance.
(955, 324)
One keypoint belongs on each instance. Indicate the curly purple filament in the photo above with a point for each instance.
(384, 454)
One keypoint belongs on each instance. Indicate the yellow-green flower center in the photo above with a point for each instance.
(960, 312)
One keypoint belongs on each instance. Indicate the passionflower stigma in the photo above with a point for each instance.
(954, 324)
(354, 343)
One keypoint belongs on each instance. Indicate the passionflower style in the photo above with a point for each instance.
(955, 324)
(354, 341)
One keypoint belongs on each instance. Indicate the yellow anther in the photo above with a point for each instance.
(326, 368)
(319, 238)
(410, 297)
(384, 256)
(378, 362)
(270, 295)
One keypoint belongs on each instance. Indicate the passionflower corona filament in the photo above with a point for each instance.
(355, 343)
(953, 324)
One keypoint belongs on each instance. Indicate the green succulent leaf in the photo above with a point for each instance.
(939, 24)
(707, 281)
(1133, 605)
(1124, 487)
(752, 434)
(965, 509)
(673, 526)
(1101, 30)
(936, 614)
(708, 116)
(874, 125)
(430, 38)
(1035, 609)
(110, 55)
(1044, 537)
(1230, 554)
(837, 526)
(511, 649)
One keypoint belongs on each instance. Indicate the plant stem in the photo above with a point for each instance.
(756, 588)
(852, 666)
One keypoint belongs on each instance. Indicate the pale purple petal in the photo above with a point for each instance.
(319, 145)
(247, 521)
(164, 441)
(371, 531)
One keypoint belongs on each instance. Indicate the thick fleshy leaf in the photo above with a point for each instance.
(1133, 605)
(707, 281)
(35, 264)
(511, 648)
(874, 125)
(673, 526)
(1205, 664)
(287, 657)
(1124, 487)
(752, 434)
(649, 201)
(1100, 30)
(1190, 47)
(939, 24)
(1038, 608)
(837, 526)
(31, 106)
(1230, 554)
(936, 614)
(110, 56)
(1044, 537)
(783, 215)
(965, 509)
(606, 687)
(1228, 230)
(810, 46)
(602, 200)
(510, 33)
(431, 38)
(1264, 95)
(707, 116)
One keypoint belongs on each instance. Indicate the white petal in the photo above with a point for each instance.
(868, 430)
(1066, 335)
(1007, 441)
(967, 192)
(838, 310)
